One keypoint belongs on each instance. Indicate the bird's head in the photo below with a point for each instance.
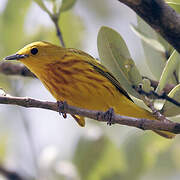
(38, 54)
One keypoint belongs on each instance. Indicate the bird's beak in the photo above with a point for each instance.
(16, 57)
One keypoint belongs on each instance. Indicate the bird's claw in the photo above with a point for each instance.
(108, 116)
(62, 105)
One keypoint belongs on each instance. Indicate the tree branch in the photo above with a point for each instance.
(153, 95)
(8, 68)
(161, 17)
(154, 84)
(10, 175)
(144, 124)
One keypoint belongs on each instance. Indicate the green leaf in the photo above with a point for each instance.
(168, 47)
(173, 1)
(42, 6)
(68, 21)
(150, 41)
(155, 59)
(115, 55)
(3, 147)
(175, 6)
(141, 153)
(67, 4)
(101, 156)
(170, 109)
(170, 67)
(146, 85)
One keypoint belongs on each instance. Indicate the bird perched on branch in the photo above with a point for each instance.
(76, 77)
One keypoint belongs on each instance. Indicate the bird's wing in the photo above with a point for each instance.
(103, 71)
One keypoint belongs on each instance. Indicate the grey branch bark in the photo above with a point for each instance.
(10, 175)
(143, 124)
(154, 84)
(8, 68)
(161, 17)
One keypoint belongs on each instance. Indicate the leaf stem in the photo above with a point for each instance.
(55, 20)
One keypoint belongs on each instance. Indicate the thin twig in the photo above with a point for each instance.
(150, 104)
(176, 77)
(144, 124)
(154, 95)
(10, 175)
(58, 30)
(8, 68)
(154, 84)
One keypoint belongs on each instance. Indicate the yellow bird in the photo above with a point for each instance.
(76, 77)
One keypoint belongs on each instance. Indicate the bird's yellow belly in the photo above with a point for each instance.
(84, 96)
(96, 98)
(89, 94)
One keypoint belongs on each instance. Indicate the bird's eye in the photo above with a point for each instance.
(34, 51)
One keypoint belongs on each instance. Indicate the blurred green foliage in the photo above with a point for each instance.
(101, 159)
(175, 4)
(11, 26)
(66, 5)
(98, 158)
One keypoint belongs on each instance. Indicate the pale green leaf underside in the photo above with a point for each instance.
(67, 4)
(155, 59)
(170, 109)
(115, 55)
(170, 67)
(175, 4)
(150, 41)
(42, 6)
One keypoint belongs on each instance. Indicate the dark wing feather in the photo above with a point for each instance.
(102, 70)
(111, 78)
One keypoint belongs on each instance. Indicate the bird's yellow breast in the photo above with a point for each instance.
(78, 84)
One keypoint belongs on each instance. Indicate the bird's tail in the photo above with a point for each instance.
(79, 119)
(133, 110)
(165, 134)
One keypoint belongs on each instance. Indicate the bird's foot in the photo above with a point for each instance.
(62, 105)
(108, 116)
